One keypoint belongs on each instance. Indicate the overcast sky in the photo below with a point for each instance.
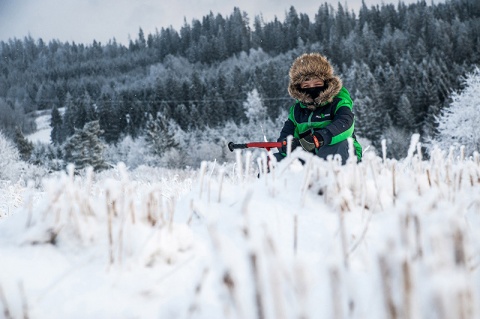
(83, 21)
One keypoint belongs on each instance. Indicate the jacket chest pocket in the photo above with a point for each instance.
(322, 116)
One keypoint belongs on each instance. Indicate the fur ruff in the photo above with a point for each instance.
(310, 66)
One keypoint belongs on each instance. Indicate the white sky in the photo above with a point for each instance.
(83, 21)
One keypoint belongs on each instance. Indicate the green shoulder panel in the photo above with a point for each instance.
(291, 117)
(345, 98)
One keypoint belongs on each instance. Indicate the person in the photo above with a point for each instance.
(321, 120)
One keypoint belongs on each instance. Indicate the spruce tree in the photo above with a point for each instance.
(24, 146)
(56, 123)
(158, 136)
(85, 148)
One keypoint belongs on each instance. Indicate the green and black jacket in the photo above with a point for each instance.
(334, 121)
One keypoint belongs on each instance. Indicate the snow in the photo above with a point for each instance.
(371, 240)
(42, 121)
(42, 134)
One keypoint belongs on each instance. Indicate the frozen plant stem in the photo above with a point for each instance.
(198, 290)
(256, 283)
(407, 289)
(336, 297)
(392, 311)
(110, 234)
(220, 184)
(24, 300)
(394, 191)
(295, 233)
(6, 309)
(203, 167)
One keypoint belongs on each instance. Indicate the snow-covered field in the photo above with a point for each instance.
(42, 134)
(381, 239)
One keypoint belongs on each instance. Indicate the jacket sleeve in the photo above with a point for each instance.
(343, 121)
(288, 129)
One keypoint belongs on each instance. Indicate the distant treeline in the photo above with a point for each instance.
(400, 63)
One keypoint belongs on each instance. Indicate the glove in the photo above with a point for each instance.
(312, 142)
(295, 144)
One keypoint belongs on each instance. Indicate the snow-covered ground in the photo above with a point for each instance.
(42, 134)
(381, 239)
(42, 121)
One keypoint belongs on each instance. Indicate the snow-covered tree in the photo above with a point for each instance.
(254, 108)
(25, 147)
(9, 158)
(85, 148)
(159, 135)
(56, 122)
(458, 123)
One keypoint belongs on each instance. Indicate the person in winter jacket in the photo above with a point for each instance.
(321, 120)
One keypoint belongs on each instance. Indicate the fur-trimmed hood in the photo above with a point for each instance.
(308, 66)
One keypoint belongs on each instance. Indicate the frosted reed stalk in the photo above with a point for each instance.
(248, 158)
(394, 190)
(407, 290)
(6, 308)
(265, 166)
(386, 273)
(110, 231)
(295, 233)
(220, 184)
(352, 158)
(411, 149)
(343, 237)
(289, 144)
(335, 285)
(238, 156)
(384, 150)
(203, 167)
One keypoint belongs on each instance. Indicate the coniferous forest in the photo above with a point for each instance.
(399, 62)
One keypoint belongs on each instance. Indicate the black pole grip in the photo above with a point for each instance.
(232, 146)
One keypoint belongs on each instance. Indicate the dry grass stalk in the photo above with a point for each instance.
(195, 305)
(336, 294)
(238, 157)
(459, 249)
(258, 290)
(362, 236)
(307, 175)
(23, 296)
(203, 168)
(6, 308)
(151, 207)
(465, 305)
(394, 190)
(220, 185)
(110, 228)
(391, 309)
(374, 177)
(248, 158)
(407, 290)
(418, 237)
(429, 178)
(295, 233)
(301, 291)
(274, 275)
(384, 151)
(171, 211)
(229, 283)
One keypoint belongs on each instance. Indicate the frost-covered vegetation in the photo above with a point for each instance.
(379, 239)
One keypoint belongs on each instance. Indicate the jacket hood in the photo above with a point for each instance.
(309, 66)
